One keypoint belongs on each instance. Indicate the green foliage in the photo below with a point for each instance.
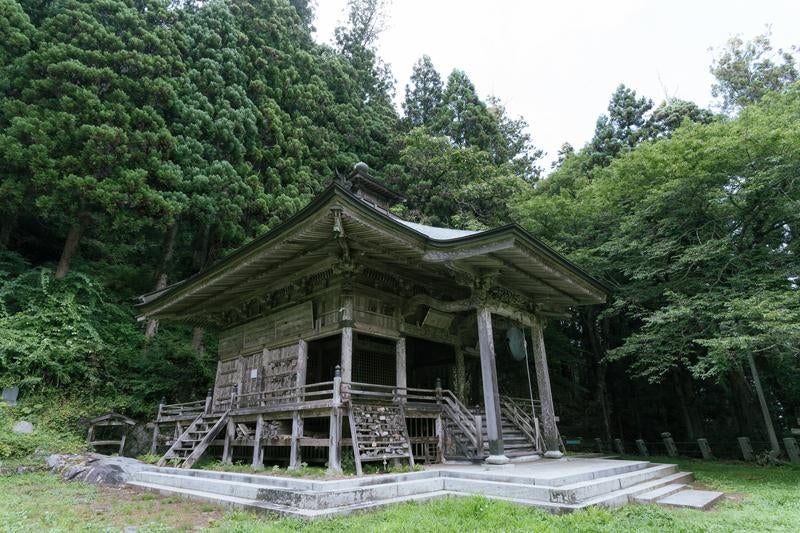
(747, 70)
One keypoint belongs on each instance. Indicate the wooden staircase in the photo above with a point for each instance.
(379, 433)
(193, 442)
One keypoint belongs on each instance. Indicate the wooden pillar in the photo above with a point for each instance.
(295, 453)
(549, 429)
(156, 429)
(491, 394)
(401, 381)
(227, 448)
(460, 384)
(258, 456)
(123, 438)
(335, 432)
(346, 360)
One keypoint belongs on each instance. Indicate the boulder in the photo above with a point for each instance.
(23, 426)
(93, 468)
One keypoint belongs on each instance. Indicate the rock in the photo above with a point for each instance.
(94, 468)
(23, 426)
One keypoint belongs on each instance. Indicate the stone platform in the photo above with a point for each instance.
(558, 486)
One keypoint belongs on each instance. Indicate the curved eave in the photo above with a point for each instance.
(503, 242)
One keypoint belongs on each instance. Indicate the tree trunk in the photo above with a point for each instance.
(742, 397)
(5, 231)
(597, 352)
(687, 419)
(71, 245)
(161, 282)
(773, 438)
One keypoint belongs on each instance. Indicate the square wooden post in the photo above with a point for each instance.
(346, 359)
(549, 429)
(335, 432)
(227, 448)
(491, 394)
(295, 454)
(401, 380)
(258, 456)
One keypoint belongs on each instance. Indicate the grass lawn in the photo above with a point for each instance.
(761, 499)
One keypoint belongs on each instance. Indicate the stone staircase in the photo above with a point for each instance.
(193, 442)
(559, 486)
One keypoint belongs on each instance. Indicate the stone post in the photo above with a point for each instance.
(746, 447)
(549, 429)
(640, 444)
(669, 444)
(705, 449)
(335, 432)
(491, 394)
(618, 445)
(792, 450)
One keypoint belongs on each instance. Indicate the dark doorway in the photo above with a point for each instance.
(374, 360)
(428, 360)
(323, 356)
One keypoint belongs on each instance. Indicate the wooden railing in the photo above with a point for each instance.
(461, 420)
(518, 411)
(284, 396)
(187, 409)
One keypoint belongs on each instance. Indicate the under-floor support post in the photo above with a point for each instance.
(335, 431)
(258, 456)
(227, 448)
(295, 453)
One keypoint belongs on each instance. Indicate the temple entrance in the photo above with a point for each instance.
(374, 360)
(323, 356)
(428, 360)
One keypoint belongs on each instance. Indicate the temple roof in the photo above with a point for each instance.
(311, 239)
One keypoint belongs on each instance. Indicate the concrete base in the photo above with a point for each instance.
(497, 460)
(693, 499)
(559, 487)
(553, 454)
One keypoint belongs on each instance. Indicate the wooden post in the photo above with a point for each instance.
(549, 429)
(227, 449)
(156, 429)
(258, 457)
(90, 435)
(335, 432)
(209, 396)
(478, 435)
(491, 394)
(122, 440)
(295, 453)
(460, 384)
(401, 381)
(346, 361)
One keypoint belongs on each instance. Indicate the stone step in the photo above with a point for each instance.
(662, 492)
(692, 499)
(610, 487)
(292, 497)
(267, 507)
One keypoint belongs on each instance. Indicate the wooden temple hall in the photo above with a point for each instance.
(349, 328)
